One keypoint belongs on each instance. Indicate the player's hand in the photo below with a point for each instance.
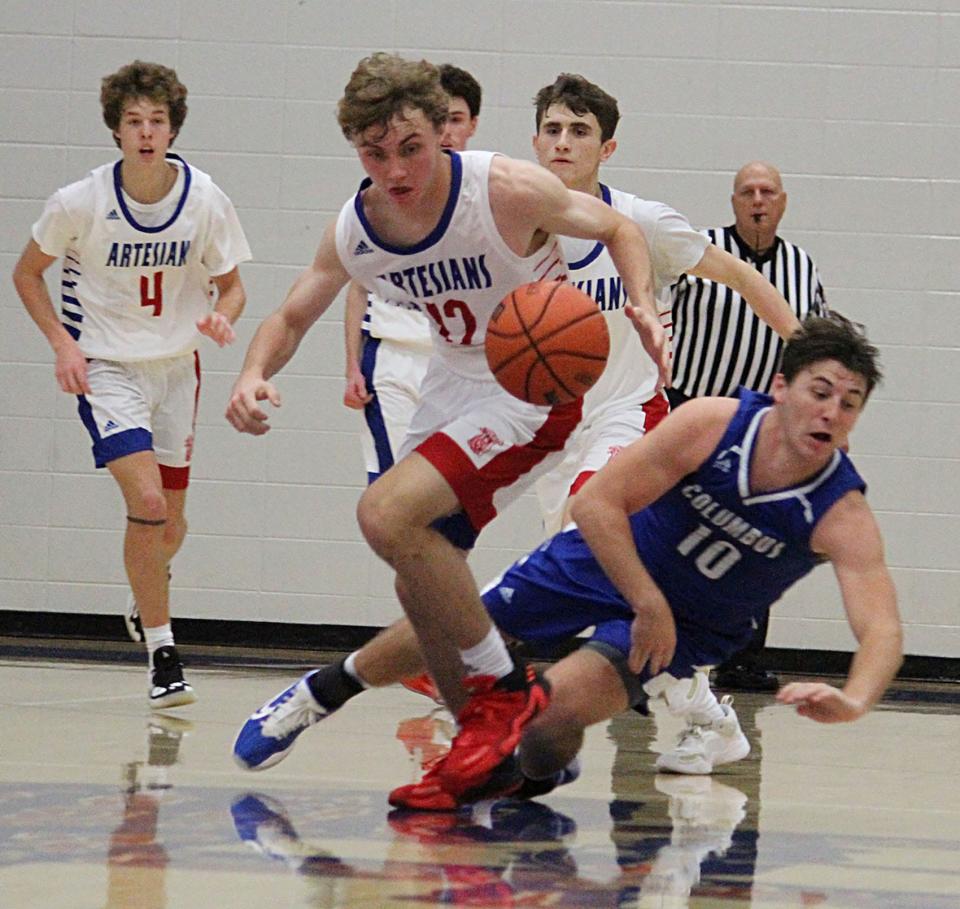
(355, 394)
(244, 412)
(653, 638)
(71, 369)
(654, 339)
(821, 702)
(217, 326)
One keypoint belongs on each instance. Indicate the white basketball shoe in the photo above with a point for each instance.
(704, 746)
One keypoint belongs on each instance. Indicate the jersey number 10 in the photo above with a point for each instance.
(715, 559)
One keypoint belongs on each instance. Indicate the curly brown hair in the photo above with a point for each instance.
(143, 80)
(384, 86)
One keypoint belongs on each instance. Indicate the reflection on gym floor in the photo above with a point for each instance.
(107, 804)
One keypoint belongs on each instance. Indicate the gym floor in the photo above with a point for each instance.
(107, 804)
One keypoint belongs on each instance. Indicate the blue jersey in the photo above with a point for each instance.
(720, 553)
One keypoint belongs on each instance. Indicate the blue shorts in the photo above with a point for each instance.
(547, 617)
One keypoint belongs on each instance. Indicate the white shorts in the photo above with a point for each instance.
(146, 406)
(595, 443)
(393, 373)
(489, 445)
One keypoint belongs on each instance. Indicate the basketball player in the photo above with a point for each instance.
(681, 542)
(388, 346)
(141, 240)
(576, 121)
(451, 234)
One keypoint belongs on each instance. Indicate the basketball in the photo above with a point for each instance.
(547, 343)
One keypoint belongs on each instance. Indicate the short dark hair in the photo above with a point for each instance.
(831, 337)
(458, 83)
(582, 97)
(384, 86)
(143, 80)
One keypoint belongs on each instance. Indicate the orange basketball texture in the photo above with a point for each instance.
(547, 342)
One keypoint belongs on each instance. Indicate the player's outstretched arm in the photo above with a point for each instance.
(639, 475)
(280, 334)
(848, 535)
(71, 364)
(760, 295)
(355, 392)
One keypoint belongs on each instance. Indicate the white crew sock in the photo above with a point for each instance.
(350, 668)
(155, 638)
(489, 657)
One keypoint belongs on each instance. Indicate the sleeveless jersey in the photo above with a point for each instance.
(457, 275)
(133, 291)
(675, 247)
(720, 554)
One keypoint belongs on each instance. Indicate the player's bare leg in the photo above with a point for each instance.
(434, 582)
(144, 555)
(394, 654)
(585, 689)
(147, 549)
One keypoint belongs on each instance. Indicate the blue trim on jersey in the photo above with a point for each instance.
(456, 179)
(372, 412)
(118, 190)
(590, 256)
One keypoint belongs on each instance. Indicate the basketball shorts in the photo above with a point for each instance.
(544, 618)
(144, 406)
(598, 439)
(393, 373)
(488, 445)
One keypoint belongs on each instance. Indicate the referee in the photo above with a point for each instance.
(719, 343)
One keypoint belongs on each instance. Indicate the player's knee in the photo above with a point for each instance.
(149, 508)
(379, 523)
(549, 743)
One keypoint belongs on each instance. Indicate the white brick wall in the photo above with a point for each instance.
(857, 104)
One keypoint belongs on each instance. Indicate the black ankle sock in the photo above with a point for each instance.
(332, 686)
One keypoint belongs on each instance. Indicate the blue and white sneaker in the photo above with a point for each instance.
(270, 733)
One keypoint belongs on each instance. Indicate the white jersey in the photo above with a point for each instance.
(630, 376)
(457, 275)
(137, 277)
(396, 322)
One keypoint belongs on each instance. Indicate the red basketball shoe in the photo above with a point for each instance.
(422, 684)
(490, 725)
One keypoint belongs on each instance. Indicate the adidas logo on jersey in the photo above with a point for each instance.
(109, 425)
(362, 248)
(113, 216)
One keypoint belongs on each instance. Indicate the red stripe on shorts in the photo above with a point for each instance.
(174, 477)
(475, 487)
(654, 411)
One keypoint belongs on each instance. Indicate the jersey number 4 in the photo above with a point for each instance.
(152, 297)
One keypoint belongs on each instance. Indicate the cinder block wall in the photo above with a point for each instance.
(857, 105)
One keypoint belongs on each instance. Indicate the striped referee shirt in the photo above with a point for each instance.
(718, 341)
